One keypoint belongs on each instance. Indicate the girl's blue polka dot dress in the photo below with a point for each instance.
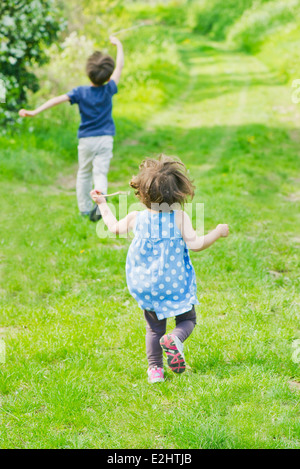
(159, 272)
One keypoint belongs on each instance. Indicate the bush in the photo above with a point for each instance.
(27, 26)
(214, 17)
(260, 21)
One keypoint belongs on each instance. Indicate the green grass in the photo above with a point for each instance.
(75, 371)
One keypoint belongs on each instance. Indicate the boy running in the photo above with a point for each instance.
(97, 128)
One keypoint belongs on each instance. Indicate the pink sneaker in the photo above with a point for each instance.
(155, 375)
(174, 351)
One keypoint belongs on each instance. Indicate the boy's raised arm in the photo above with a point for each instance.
(47, 105)
(116, 75)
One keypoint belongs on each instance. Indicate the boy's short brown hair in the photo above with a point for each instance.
(99, 68)
(162, 181)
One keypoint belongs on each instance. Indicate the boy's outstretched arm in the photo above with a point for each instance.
(114, 226)
(116, 75)
(195, 242)
(47, 105)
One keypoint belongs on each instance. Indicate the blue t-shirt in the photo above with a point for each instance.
(95, 107)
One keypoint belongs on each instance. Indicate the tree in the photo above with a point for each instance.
(26, 27)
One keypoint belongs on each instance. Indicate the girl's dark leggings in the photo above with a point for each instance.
(156, 328)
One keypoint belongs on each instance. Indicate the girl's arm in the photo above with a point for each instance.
(115, 226)
(52, 102)
(195, 242)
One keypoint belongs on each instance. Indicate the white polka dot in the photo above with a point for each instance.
(134, 282)
(169, 302)
(170, 225)
(161, 297)
(155, 304)
(187, 295)
(171, 243)
(175, 297)
(168, 292)
(173, 271)
(167, 266)
(137, 258)
(160, 316)
(140, 290)
(163, 219)
(176, 306)
(179, 264)
(172, 258)
(149, 245)
(143, 251)
(188, 266)
(161, 286)
(149, 258)
(175, 285)
(165, 309)
(168, 279)
(177, 250)
(165, 233)
(155, 252)
(180, 277)
(142, 277)
(172, 313)
(147, 297)
(147, 284)
(181, 290)
(155, 293)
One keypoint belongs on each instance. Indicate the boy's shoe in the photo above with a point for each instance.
(95, 214)
(174, 351)
(155, 375)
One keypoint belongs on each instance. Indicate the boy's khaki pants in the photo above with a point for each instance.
(94, 155)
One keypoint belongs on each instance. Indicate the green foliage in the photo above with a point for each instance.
(26, 28)
(260, 21)
(253, 26)
(214, 17)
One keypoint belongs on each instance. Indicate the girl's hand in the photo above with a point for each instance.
(97, 197)
(25, 113)
(223, 230)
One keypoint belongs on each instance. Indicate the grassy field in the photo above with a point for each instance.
(75, 370)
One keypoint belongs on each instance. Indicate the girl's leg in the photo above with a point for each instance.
(172, 343)
(185, 324)
(155, 329)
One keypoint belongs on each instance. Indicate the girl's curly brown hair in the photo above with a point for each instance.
(162, 181)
